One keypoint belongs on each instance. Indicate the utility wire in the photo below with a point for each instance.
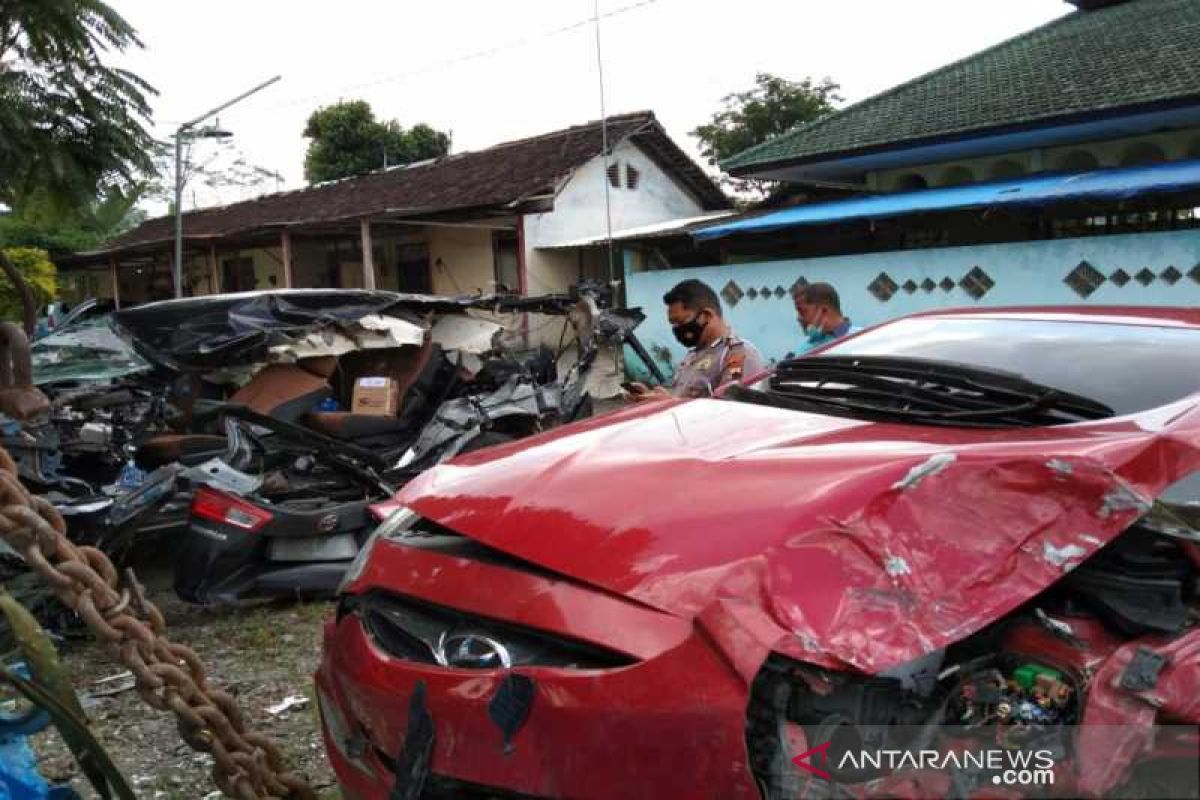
(440, 65)
(604, 146)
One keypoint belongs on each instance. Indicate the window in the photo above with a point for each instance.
(614, 174)
(1005, 168)
(909, 182)
(631, 176)
(956, 176)
(1142, 153)
(1077, 161)
(506, 252)
(412, 268)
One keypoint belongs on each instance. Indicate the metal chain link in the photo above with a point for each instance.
(247, 764)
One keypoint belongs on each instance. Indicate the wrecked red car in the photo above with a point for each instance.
(960, 524)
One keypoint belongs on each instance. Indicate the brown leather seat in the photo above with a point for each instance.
(283, 391)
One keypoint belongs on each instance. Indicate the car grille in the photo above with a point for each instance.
(413, 630)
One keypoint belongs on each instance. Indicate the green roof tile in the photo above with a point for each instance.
(1141, 51)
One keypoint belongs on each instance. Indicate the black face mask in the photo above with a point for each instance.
(688, 333)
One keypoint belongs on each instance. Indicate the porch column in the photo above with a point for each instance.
(368, 255)
(285, 245)
(213, 272)
(116, 284)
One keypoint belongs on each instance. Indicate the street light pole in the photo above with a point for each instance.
(177, 272)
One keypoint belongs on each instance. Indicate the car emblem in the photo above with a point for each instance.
(471, 651)
(327, 523)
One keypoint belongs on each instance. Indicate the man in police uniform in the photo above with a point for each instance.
(716, 356)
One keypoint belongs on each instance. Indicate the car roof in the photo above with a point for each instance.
(1155, 316)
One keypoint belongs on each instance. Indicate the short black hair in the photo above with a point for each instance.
(820, 294)
(693, 295)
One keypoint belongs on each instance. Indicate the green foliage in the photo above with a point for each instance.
(70, 125)
(39, 273)
(40, 223)
(51, 689)
(773, 107)
(348, 140)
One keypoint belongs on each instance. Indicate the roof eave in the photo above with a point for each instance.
(755, 169)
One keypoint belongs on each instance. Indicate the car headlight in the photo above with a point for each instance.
(396, 523)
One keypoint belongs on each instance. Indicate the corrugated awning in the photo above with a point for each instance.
(1043, 190)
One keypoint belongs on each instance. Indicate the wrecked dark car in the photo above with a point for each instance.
(284, 498)
(952, 531)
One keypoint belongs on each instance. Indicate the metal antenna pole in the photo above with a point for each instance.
(604, 147)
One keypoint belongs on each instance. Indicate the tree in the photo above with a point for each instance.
(70, 126)
(37, 271)
(40, 223)
(347, 140)
(772, 108)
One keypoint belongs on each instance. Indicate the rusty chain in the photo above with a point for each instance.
(169, 676)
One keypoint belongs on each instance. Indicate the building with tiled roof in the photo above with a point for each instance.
(1057, 167)
(466, 222)
(1123, 73)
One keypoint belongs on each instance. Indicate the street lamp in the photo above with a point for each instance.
(186, 131)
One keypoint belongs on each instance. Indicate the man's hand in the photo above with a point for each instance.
(638, 392)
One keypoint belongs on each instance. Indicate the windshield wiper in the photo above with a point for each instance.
(919, 390)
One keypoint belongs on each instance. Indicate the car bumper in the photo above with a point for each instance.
(669, 724)
(670, 727)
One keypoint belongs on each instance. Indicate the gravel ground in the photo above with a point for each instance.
(263, 654)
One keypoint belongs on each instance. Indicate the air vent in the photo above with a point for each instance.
(631, 176)
(614, 174)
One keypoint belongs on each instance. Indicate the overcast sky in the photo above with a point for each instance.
(491, 71)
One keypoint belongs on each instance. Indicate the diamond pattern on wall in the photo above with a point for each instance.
(732, 293)
(1171, 275)
(947, 284)
(1084, 279)
(764, 291)
(799, 284)
(1120, 277)
(1145, 277)
(883, 287)
(976, 283)
(780, 291)
(910, 286)
(752, 293)
(928, 285)
(1194, 273)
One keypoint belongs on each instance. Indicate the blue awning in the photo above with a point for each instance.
(1041, 190)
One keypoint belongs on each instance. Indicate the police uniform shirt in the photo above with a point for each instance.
(704, 369)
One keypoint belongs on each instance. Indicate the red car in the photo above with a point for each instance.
(958, 525)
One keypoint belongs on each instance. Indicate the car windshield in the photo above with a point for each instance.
(88, 350)
(1128, 368)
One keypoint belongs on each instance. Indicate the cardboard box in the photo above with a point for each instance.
(376, 396)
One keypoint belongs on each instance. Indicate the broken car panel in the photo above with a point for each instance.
(286, 506)
(983, 535)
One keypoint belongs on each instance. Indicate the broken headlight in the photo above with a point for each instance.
(416, 631)
(398, 521)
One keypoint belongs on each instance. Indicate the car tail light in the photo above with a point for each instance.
(216, 506)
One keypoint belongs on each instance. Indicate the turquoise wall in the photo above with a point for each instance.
(1023, 273)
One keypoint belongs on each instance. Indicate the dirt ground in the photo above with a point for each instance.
(263, 654)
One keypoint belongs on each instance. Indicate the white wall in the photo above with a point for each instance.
(579, 212)
(467, 262)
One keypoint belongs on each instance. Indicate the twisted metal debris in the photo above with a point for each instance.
(170, 677)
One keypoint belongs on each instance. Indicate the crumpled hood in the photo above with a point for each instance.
(837, 541)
